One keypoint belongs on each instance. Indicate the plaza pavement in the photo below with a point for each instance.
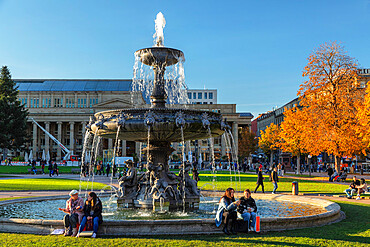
(107, 180)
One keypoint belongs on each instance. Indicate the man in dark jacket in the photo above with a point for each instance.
(330, 172)
(260, 180)
(247, 209)
(274, 180)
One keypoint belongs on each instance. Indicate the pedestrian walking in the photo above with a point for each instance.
(50, 168)
(274, 180)
(56, 170)
(260, 179)
(108, 169)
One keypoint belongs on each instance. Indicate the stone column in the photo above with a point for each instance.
(83, 131)
(76, 105)
(223, 145)
(110, 144)
(52, 100)
(187, 149)
(34, 141)
(64, 100)
(71, 136)
(47, 139)
(28, 100)
(123, 148)
(88, 100)
(235, 135)
(59, 151)
(137, 149)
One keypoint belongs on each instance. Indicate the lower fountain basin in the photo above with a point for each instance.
(319, 212)
(163, 127)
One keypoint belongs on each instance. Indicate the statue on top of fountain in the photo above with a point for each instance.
(190, 184)
(128, 183)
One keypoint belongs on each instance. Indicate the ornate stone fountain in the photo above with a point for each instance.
(158, 126)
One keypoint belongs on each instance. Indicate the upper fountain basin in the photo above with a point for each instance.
(165, 124)
(155, 56)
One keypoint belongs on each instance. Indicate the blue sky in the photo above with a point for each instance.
(252, 52)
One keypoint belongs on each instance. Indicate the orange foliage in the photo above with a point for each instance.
(330, 98)
(270, 138)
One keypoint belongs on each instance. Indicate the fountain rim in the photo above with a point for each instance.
(178, 226)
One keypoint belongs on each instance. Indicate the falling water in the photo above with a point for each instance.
(174, 75)
(234, 156)
(83, 157)
(115, 150)
(147, 147)
(183, 167)
(211, 147)
(228, 158)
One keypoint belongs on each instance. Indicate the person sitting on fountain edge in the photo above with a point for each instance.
(247, 210)
(227, 211)
(92, 211)
(74, 213)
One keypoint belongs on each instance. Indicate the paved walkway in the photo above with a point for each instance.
(107, 180)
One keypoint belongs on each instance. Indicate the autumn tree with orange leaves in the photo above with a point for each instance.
(269, 140)
(330, 96)
(247, 142)
(294, 133)
(363, 116)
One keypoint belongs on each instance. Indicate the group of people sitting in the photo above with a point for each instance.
(82, 214)
(229, 210)
(356, 187)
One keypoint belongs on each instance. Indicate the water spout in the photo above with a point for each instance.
(160, 23)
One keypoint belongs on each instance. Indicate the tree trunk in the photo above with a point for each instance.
(337, 163)
(271, 156)
(299, 164)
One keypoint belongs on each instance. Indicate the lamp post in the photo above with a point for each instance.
(309, 164)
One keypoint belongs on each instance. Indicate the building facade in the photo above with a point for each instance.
(202, 96)
(63, 108)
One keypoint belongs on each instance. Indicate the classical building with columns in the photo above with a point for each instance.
(63, 108)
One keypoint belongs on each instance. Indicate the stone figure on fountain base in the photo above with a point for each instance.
(191, 189)
(128, 183)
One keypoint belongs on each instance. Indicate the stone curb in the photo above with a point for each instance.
(174, 226)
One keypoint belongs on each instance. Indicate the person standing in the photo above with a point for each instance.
(50, 168)
(56, 170)
(108, 169)
(43, 167)
(274, 180)
(330, 172)
(73, 210)
(260, 179)
(92, 211)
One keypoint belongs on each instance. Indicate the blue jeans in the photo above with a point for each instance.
(95, 224)
(275, 186)
(350, 192)
(247, 216)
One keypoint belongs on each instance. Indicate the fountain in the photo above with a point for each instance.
(158, 189)
(158, 126)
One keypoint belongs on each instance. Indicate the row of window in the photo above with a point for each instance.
(204, 103)
(58, 102)
(206, 95)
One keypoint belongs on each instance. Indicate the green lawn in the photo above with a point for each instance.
(23, 169)
(13, 198)
(223, 181)
(44, 184)
(352, 231)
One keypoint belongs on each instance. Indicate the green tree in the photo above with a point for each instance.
(13, 115)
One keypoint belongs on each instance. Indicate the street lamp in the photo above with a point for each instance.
(309, 164)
